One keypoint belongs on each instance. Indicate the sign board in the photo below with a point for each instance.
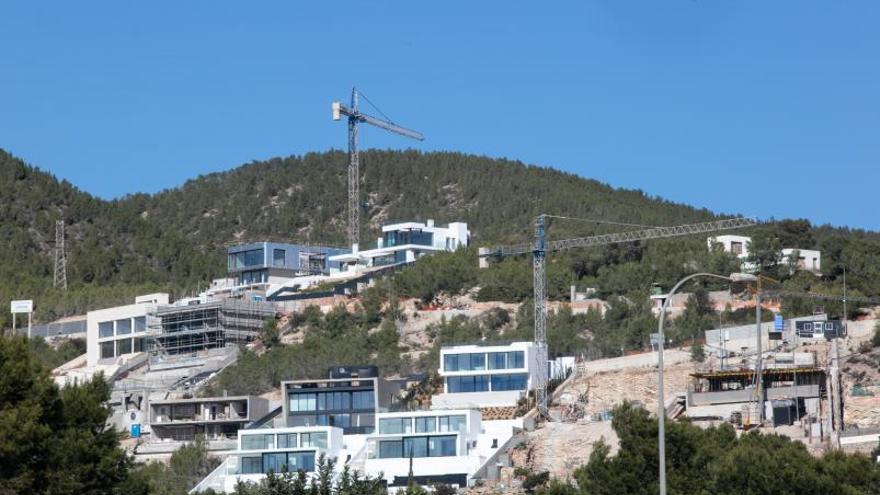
(22, 306)
(135, 430)
(655, 339)
(778, 323)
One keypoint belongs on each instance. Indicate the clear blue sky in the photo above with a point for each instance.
(763, 108)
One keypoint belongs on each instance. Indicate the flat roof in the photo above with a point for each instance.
(204, 399)
(748, 373)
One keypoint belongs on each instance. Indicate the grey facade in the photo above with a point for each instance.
(349, 399)
(217, 418)
(256, 262)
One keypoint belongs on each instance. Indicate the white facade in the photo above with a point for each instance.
(808, 259)
(278, 450)
(734, 244)
(486, 376)
(404, 242)
(115, 332)
(449, 446)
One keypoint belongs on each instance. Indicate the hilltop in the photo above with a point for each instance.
(176, 239)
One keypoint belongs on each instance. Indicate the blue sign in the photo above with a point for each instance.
(135, 430)
(778, 323)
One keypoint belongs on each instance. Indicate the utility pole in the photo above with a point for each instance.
(60, 279)
(759, 378)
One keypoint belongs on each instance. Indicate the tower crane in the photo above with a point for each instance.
(541, 247)
(355, 117)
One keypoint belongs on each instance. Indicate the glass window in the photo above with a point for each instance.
(140, 323)
(340, 420)
(123, 346)
(287, 441)
(317, 440)
(301, 461)
(516, 360)
(478, 362)
(441, 446)
(808, 326)
(461, 384)
(253, 257)
(497, 360)
(395, 425)
(509, 382)
(390, 449)
(123, 327)
(415, 447)
(105, 329)
(139, 345)
(450, 362)
(251, 465)
(829, 327)
(107, 349)
(278, 257)
(363, 400)
(425, 425)
(257, 442)
(277, 463)
(457, 422)
(303, 402)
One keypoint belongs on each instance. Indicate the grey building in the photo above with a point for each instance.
(348, 399)
(217, 418)
(260, 262)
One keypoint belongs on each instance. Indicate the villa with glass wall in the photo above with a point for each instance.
(487, 375)
(273, 262)
(404, 242)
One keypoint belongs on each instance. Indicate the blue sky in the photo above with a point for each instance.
(755, 107)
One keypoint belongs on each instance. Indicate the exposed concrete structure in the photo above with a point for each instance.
(217, 418)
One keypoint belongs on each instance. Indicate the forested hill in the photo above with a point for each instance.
(304, 198)
(175, 239)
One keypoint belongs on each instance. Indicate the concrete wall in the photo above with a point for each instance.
(93, 318)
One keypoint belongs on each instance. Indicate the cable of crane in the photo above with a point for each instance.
(362, 95)
(606, 222)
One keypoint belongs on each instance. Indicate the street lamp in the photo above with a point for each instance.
(661, 405)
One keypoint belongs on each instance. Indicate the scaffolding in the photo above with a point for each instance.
(190, 329)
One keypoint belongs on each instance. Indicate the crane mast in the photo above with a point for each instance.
(540, 247)
(355, 117)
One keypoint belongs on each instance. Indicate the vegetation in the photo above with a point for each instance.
(323, 483)
(188, 465)
(715, 461)
(51, 440)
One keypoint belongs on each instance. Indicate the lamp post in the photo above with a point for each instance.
(661, 405)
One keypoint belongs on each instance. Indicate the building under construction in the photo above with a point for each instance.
(203, 325)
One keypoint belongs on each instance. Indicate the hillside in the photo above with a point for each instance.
(175, 239)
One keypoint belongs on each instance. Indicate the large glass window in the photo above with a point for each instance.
(363, 400)
(303, 402)
(107, 349)
(395, 425)
(123, 327)
(459, 384)
(278, 257)
(251, 465)
(457, 422)
(478, 362)
(139, 345)
(441, 446)
(253, 257)
(317, 440)
(415, 446)
(301, 461)
(257, 442)
(516, 360)
(509, 382)
(390, 449)
(450, 362)
(277, 463)
(140, 323)
(123, 346)
(287, 441)
(105, 329)
(425, 425)
(497, 360)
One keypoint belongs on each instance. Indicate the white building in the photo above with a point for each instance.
(807, 259)
(117, 332)
(405, 242)
(486, 376)
(734, 244)
(278, 450)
